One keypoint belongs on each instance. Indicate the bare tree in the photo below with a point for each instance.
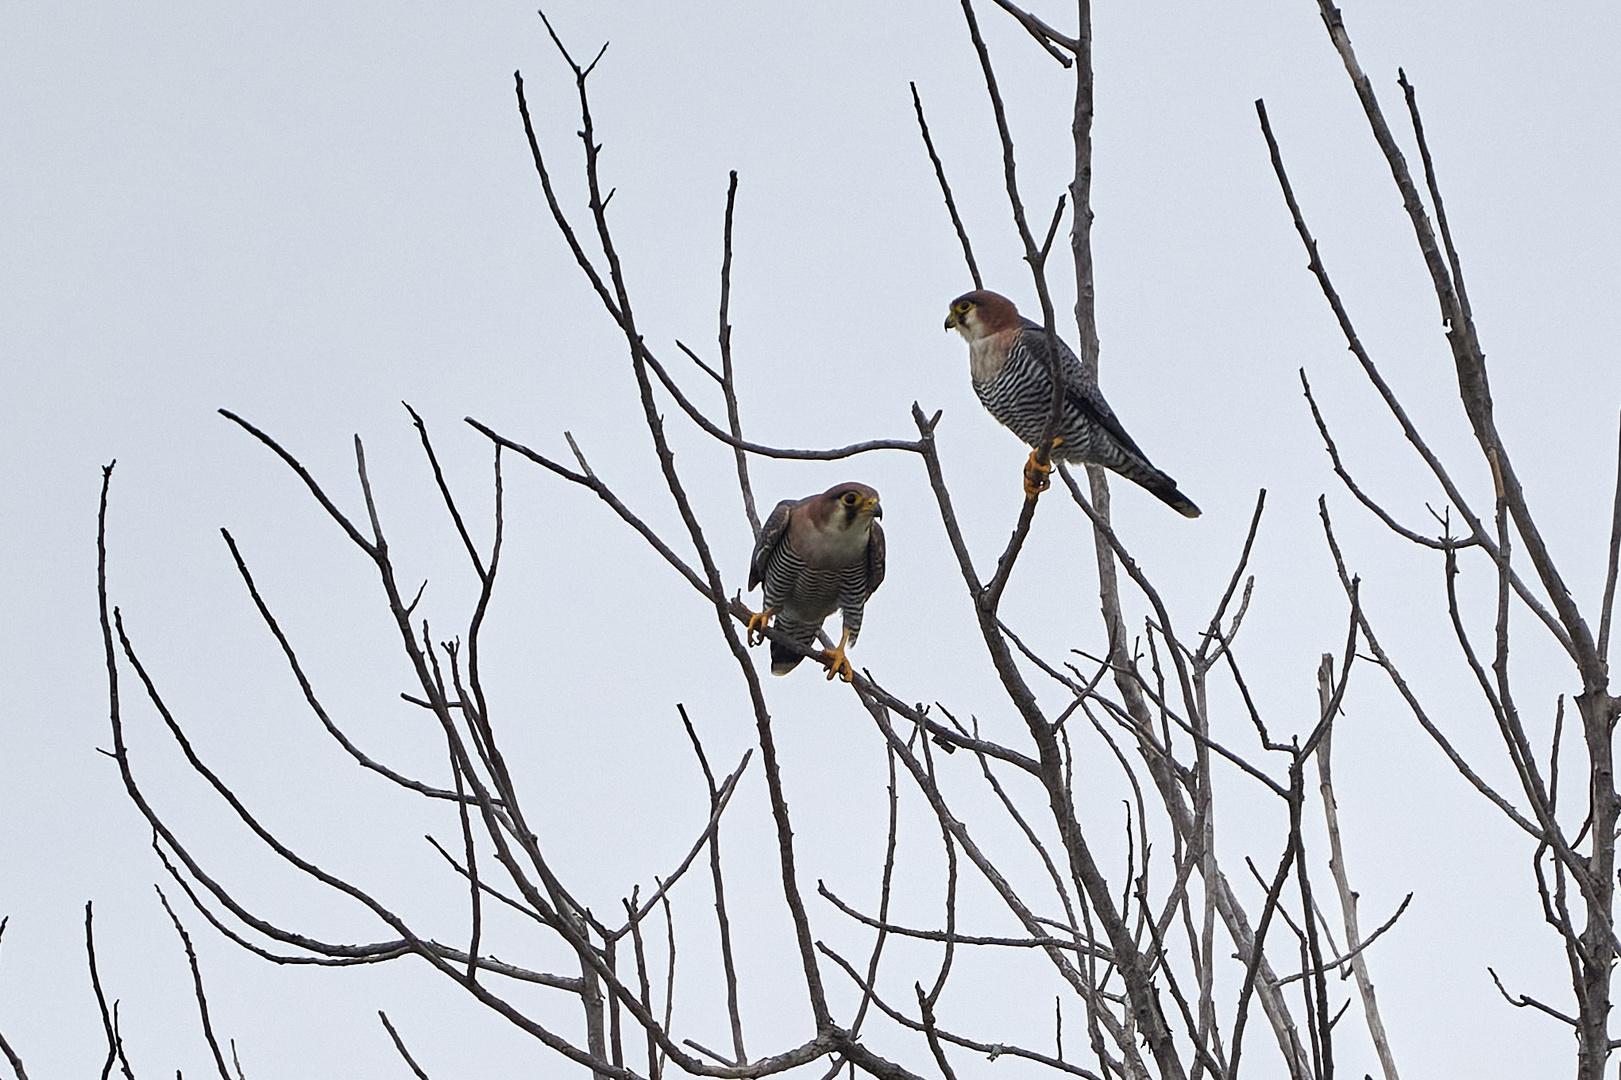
(1583, 855)
(1160, 961)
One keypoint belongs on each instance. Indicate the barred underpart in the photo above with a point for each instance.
(803, 596)
(1020, 397)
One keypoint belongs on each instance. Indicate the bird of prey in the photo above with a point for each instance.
(817, 555)
(1008, 359)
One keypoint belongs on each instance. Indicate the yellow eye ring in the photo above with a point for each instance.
(850, 498)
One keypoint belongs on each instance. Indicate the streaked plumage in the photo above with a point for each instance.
(1007, 358)
(815, 556)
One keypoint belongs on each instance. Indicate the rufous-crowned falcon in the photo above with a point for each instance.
(1008, 359)
(817, 555)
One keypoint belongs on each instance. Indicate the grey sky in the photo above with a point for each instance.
(308, 212)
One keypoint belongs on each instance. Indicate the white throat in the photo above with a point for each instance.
(984, 360)
(837, 545)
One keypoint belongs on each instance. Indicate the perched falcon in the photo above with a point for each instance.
(1007, 357)
(817, 555)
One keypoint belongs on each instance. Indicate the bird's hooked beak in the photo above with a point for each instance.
(951, 320)
(870, 506)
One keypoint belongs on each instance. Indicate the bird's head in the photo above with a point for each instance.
(851, 505)
(981, 313)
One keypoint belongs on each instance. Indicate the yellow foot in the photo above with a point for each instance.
(756, 627)
(836, 662)
(1036, 478)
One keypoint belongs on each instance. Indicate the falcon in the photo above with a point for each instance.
(1008, 360)
(817, 555)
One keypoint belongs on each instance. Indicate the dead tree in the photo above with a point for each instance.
(1574, 866)
(1163, 960)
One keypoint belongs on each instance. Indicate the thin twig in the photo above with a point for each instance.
(945, 189)
(991, 1050)
(740, 1056)
(1409, 429)
(1419, 714)
(926, 1007)
(885, 880)
(1351, 485)
(1045, 36)
(197, 983)
(882, 925)
(728, 383)
(1525, 1001)
(444, 489)
(399, 1044)
(1341, 960)
(115, 1044)
(308, 690)
(1342, 882)
(740, 444)
(11, 1055)
(1607, 609)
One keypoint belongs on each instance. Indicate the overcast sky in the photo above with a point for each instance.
(307, 212)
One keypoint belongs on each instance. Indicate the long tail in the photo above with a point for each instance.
(1159, 485)
(783, 658)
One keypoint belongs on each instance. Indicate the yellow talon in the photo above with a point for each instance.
(1035, 473)
(836, 662)
(755, 633)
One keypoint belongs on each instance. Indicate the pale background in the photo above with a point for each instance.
(308, 212)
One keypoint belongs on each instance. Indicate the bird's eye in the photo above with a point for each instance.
(850, 498)
(962, 308)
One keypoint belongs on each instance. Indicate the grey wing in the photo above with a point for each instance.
(771, 535)
(1078, 391)
(875, 558)
(1089, 400)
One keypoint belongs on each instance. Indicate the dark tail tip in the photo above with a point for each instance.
(784, 658)
(1168, 494)
(1157, 484)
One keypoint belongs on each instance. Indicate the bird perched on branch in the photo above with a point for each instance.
(817, 555)
(1008, 359)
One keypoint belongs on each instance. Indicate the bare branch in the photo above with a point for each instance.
(197, 983)
(399, 1044)
(945, 937)
(719, 799)
(13, 1058)
(444, 489)
(992, 1050)
(945, 189)
(619, 307)
(728, 382)
(604, 493)
(1477, 529)
(1045, 35)
(1340, 961)
(365, 760)
(1524, 1001)
(740, 1056)
(109, 1018)
(926, 1007)
(1342, 879)
(1203, 658)
(740, 444)
(1362, 496)
(11, 1055)
(1402, 688)
(1607, 608)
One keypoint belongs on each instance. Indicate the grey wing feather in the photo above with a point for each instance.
(875, 558)
(1096, 409)
(771, 535)
(1085, 397)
